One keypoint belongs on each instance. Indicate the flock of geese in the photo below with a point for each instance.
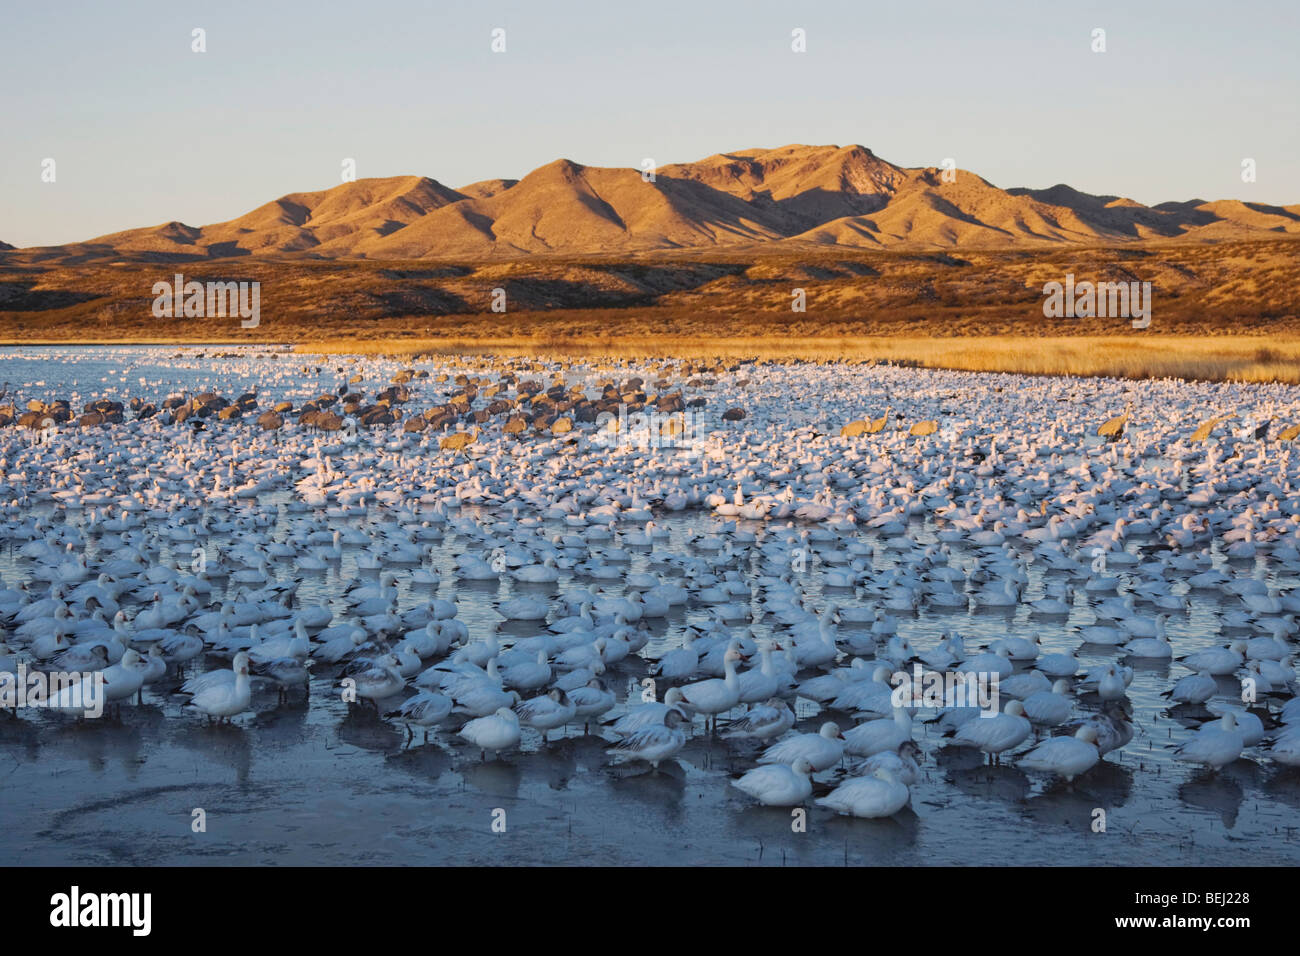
(763, 582)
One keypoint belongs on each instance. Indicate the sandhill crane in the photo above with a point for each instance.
(1204, 430)
(928, 427)
(878, 424)
(1113, 429)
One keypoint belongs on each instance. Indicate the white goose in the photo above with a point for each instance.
(1216, 745)
(822, 750)
(653, 744)
(874, 736)
(879, 795)
(993, 735)
(496, 732)
(778, 785)
(1066, 757)
(425, 709)
(762, 721)
(715, 696)
(226, 698)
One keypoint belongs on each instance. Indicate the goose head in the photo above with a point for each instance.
(831, 731)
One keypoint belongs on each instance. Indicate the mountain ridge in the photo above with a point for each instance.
(826, 195)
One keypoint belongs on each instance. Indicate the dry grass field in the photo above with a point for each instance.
(1221, 311)
(1208, 358)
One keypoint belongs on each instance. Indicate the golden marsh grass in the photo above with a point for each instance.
(1204, 358)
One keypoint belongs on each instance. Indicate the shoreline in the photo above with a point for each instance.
(1212, 358)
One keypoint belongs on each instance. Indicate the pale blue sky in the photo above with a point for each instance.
(144, 131)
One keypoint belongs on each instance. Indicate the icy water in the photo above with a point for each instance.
(316, 781)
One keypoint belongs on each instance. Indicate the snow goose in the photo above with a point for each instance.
(681, 663)
(944, 656)
(762, 721)
(523, 609)
(1150, 648)
(224, 699)
(648, 714)
(653, 744)
(1286, 748)
(1066, 757)
(995, 734)
(527, 675)
(1267, 649)
(822, 750)
(827, 687)
(125, 678)
(995, 663)
(898, 651)
(1049, 707)
(1058, 665)
(1251, 727)
(1102, 635)
(778, 785)
(374, 679)
(1019, 648)
(1020, 686)
(760, 683)
(592, 700)
(286, 673)
(78, 657)
(1216, 661)
(495, 732)
(901, 763)
(1279, 676)
(545, 713)
(879, 795)
(715, 696)
(874, 696)
(1216, 745)
(1193, 689)
(339, 645)
(584, 655)
(874, 736)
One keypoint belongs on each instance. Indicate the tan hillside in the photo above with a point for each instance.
(809, 183)
(566, 207)
(329, 220)
(486, 187)
(966, 212)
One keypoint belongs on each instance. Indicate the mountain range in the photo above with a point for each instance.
(822, 195)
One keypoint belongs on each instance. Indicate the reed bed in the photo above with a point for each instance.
(1198, 358)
